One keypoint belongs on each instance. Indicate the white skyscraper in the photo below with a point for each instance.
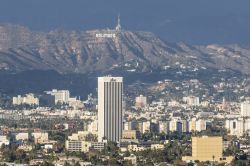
(110, 108)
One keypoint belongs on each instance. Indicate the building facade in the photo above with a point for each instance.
(29, 99)
(110, 108)
(245, 109)
(207, 148)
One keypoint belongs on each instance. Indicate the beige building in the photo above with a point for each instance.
(207, 149)
(22, 136)
(77, 146)
(40, 137)
(140, 101)
(29, 99)
(130, 134)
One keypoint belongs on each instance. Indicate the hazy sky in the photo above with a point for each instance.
(192, 21)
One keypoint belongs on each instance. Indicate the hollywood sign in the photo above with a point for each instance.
(105, 35)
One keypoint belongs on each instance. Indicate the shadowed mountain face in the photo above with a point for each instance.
(107, 50)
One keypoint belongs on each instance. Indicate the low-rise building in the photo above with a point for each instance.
(135, 148)
(21, 136)
(131, 158)
(40, 137)
(4, 140)
(207, 149)
(130, 134)
(77, 146)
(29, 99)
(157, 146)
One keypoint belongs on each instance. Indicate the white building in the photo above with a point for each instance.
(110, 108)
(197, 125)
(201, 125)
(245, 109)
(62, 96)
(4, 140)
(27, 99)
(178, 125)
(192, 100)
(238, 127)
(140, 101)
(77, 142)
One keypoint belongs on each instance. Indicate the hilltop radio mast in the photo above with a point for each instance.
(118, 26)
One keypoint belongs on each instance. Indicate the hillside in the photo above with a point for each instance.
(106, 50)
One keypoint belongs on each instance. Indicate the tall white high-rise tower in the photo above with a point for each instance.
(110, 108)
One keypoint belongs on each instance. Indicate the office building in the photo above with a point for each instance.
(207, 149)
(61, 96)
(110, 108)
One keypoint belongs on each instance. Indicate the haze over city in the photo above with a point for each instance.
(125, 83)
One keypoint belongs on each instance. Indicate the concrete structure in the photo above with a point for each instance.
(78, 142)
(77, 146)
(245, 109)
(40, 137)
(197, 125)
(140, 101)
(201, 125)
(207, 149)
(93, 126)
(61, 96)
(21, 136)
(178, 125)
(192, 100)
(164, 127)
(29, 99)
(135, 148)
(130, 134)
(131, 125)
(4, 140)
(238, 126)
(110, 108)
(131, 158)
(97, 145)
(157, 147)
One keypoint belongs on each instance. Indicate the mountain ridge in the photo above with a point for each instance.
(107, 49)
